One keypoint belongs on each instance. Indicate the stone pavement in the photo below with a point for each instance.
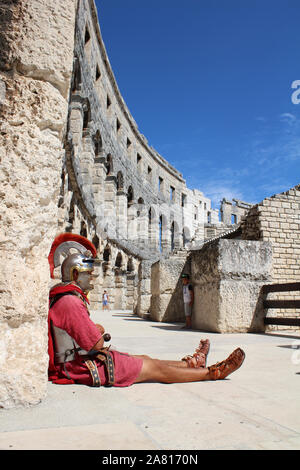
(256, 408)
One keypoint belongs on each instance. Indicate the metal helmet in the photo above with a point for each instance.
(77, 261)
(62, 253)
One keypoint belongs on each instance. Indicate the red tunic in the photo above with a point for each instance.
(70, 314)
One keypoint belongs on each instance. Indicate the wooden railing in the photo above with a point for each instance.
(285, 304)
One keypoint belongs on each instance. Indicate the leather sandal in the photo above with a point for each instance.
(198, 359)
(220, 370)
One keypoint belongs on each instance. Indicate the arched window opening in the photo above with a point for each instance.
(62, 189)
(69, 227)
(185, 236)
(120, 181)
(97, 144)
(76, 82)
(130, 195)
(86, 119)
(87, 36)
(160, 225)
(98, 73)
(118, 262)
(86, 114)
(83, 229)
(106, 254)
(172, 236)
(109, 164)
(87, 44)
(130, 266)
(95, 241)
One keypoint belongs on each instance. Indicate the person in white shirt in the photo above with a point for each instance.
(105, 300)
(188, 300)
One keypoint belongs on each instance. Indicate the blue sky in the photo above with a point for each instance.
(209, 84)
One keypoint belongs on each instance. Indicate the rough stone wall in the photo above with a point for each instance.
(277, 220)
(233, 211)
(36, 60)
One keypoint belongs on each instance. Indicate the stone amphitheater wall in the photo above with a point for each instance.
(121, 178)
(115, 187)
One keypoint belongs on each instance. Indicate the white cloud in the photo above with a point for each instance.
(217, 190)
(261, 119)
(287, 117)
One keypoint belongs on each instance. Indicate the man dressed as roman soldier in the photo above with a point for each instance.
(77, 353)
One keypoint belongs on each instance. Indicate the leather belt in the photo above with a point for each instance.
(94, 372)
(104, 356)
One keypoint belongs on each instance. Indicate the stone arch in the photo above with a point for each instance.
(130, 266)
(87, 42)
(109, 164)
(142, 223)
(76, 79)
(96, 241)
(163, 240)
(152, 228)
(119, 260)
(87, 35)
(106, 253)
(98, 145)
(153, 214)
(120, 181)
(62, 189)
(71, 215)
(140, 207)
(83, 229)
(172, 230)
(86, 110)
(130, 195)
(186, 236)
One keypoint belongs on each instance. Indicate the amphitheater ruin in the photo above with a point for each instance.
(74, 160)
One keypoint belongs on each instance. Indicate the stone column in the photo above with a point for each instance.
(153, 232)
(131, 222)
(120, 300)
(130, 288)
(121, 210)
(110, 204)
(142, 227)
(144, 288)
(86, 165)
(166, 289)
(99, 176)
(36, 60)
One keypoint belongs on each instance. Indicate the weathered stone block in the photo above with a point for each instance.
(166, 289)
(228, 276)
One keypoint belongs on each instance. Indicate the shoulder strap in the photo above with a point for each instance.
(58, 296)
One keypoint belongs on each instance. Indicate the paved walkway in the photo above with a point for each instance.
(258, 407)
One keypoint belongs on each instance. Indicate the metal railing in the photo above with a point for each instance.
(285, 304)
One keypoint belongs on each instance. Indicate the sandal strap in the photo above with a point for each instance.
(195, 361)
(220, 370)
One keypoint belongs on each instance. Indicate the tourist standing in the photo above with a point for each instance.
(105, 300)
(188, 300)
